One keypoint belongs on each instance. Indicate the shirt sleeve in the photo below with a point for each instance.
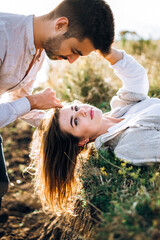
(3, 42)
(134, 79)
(33, 117)
(10, 111)
(132, 74)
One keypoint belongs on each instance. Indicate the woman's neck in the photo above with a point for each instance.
(107, 122)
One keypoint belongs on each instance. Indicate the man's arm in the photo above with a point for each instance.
(38, 102)
(10, 111)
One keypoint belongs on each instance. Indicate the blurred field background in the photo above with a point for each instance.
(91, 80)
(117, 201)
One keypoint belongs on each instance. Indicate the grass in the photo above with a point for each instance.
(123, 200)
(126, 198)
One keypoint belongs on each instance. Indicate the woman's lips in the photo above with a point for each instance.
(92, 113)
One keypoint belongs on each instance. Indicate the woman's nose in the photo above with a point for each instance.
(82, 112)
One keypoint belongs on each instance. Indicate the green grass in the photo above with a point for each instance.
(125, 198)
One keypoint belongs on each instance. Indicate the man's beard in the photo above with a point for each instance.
(52, 46)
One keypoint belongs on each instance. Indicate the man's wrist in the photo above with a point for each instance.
(31, 100)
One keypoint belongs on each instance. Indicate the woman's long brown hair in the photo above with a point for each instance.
(54, 156)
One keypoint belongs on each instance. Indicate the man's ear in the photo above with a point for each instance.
(61, 24)
(83, 141)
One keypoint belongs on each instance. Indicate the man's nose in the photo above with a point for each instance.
(73, 58)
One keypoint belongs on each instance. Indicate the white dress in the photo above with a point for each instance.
(136, 139)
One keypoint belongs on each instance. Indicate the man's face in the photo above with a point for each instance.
(69, 49)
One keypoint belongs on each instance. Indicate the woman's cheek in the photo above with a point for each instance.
(86, 128)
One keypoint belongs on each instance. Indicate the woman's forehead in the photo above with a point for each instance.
(75, 104)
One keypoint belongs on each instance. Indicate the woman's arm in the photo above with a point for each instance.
(114, 56)
(134, 79)
(129, 71)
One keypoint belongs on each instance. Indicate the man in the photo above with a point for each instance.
(74, 28)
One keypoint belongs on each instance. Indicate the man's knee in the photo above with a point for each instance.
(4, 188)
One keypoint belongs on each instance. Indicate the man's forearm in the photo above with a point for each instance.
(10, 111)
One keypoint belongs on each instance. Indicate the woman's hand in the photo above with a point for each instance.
(44, 100)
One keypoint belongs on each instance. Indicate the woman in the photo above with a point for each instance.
(131, 129)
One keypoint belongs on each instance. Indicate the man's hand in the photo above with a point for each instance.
(44, 100)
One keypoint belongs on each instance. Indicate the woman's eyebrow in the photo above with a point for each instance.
(71, 121)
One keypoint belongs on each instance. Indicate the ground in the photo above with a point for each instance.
(22, 216)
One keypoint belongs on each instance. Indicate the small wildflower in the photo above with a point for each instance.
(123, 164)
(103, 171)
(120, 171)
(154, 222)
(134, 175)
(156, 174)
(130, 168)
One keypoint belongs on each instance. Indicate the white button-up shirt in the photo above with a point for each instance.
(135, 139)
(16, 52)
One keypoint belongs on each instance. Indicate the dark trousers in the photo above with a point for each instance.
(4, 180)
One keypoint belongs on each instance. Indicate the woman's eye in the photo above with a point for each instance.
(75, 121)
(76, 108)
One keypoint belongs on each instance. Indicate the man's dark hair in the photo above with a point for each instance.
(91, 19)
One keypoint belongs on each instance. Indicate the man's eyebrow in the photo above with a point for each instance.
(71, 121)
(79, 52)
(75, 50)
(64, 57)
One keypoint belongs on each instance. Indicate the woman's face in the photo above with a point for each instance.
(82, 121)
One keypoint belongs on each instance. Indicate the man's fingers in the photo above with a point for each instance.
(59, 105)
(49, 90)
(57, 100)
(45, 100)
